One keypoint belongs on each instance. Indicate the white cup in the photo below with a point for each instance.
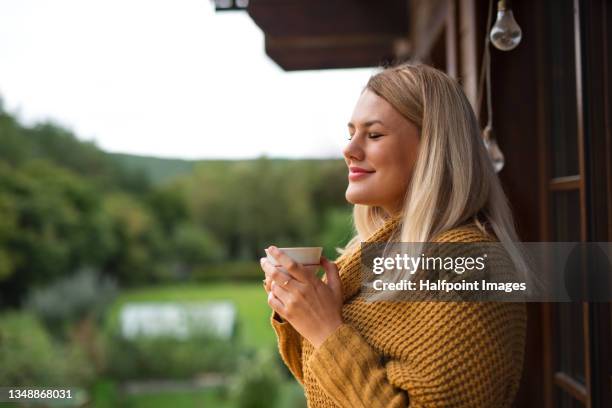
(307, 256)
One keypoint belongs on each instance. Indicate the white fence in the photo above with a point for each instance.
(178, 320)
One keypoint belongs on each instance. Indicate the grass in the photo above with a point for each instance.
(254, 332)
(290, 396)
(106, 395)
(183, 399)
(249, 298)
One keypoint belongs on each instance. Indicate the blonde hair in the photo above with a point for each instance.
(453, 181)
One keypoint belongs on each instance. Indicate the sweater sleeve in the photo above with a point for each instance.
(289, 345)
(452, 363)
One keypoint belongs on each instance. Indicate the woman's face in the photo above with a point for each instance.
(380, 154)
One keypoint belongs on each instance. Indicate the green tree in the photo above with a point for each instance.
(141, 248)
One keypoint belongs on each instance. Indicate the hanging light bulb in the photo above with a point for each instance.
(506, 33)
(495, 153)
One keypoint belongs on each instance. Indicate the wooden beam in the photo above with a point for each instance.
(320, 34)
(467, 51)
(566, 183)
(427, 20)
(452, 41)
(322, 52)
(306, 42)
(279, 18)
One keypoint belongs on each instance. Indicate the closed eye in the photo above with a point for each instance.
(370, 136)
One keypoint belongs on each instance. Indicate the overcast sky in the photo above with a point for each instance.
(167, 78)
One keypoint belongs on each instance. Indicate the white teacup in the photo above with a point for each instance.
(307, 256)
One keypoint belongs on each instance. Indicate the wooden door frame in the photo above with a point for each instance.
(458, 45)
(596, 30)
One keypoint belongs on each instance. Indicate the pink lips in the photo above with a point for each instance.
(358, 173)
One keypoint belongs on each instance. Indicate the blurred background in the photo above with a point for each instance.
(150, 151)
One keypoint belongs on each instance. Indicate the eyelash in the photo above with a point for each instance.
(370, 136)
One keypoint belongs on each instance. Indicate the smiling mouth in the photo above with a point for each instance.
(359, 174)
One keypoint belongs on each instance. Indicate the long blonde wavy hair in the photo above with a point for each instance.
(453, 181)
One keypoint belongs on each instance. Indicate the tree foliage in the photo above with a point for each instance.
(66, 205)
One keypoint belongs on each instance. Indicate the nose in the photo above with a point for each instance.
(353, 151)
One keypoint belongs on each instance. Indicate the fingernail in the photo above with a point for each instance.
(262, 260)
(273, 249)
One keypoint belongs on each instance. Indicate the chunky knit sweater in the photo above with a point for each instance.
(417, 354)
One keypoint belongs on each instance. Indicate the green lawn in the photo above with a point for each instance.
(254, 331)
(206, 398)
(249, 298)
(290, 395)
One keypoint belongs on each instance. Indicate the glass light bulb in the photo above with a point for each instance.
(506, 33)
(495, 154)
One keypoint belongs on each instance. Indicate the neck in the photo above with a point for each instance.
(393, 211)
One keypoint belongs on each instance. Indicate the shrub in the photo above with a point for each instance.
(294, 395)
(169, 357)
(196, 246)
(230, 271)
(72, 299)
(258, 382)
(337, 231)
(30, 357)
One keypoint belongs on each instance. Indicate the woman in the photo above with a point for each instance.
(418, 172)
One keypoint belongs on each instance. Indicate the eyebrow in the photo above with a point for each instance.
(366, 124)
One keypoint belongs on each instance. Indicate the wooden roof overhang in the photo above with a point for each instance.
(320, 34)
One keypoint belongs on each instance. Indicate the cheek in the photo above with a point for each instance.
(402, 162)
(395, 176)
(393, 180)
(396, 167)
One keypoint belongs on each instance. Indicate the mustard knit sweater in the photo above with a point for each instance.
(417, 354)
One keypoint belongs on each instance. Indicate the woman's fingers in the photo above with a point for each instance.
(283, 290)
(267, 281)
(295, 269)
(276, 304)
(273, 273)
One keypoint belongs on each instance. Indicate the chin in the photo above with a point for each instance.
(354, 196)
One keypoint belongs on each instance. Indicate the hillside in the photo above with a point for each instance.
(158, 170)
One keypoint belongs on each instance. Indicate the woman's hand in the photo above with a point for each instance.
(313, 308)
